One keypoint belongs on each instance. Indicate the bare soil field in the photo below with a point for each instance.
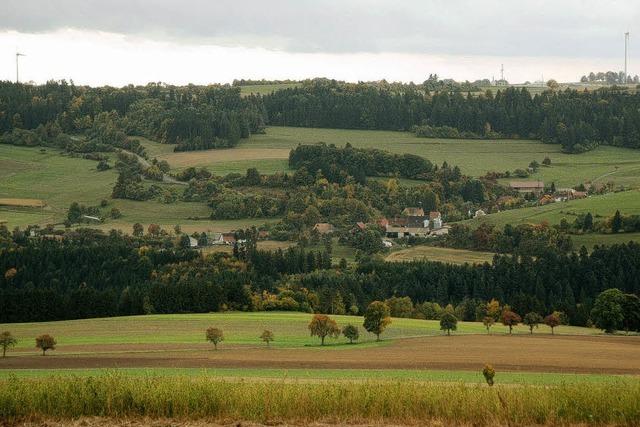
(23, 203)
(536, 353)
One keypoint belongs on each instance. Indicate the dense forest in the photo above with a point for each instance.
(578, 120)
(192, 117)
(90, 274)
(202, 117)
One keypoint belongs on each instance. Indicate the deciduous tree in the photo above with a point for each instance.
(351, 333)
(267, 336)
(7, 340)
(322, 326)
(377, 318)
(214, 335)
(552, 321)
(532, 320)
(448, 322)
(510, 319)
(45, 342)
(607, 312)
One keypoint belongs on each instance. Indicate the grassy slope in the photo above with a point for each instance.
(289, 328)
(475, 157)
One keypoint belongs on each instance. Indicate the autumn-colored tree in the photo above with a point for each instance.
(488, 322)
(7, 340)
(510, 319)
(215, 335)
(552, 321)
(45, 342)
(532, 320)
(154, 229)
(267, 336)
(377, 318)
(322, 326)
(351, 333)
(494, 309)
(488, 372)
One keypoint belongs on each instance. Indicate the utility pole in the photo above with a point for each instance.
(626, 50)
(18, 55)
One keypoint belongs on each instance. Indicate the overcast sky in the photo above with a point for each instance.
(133, 41)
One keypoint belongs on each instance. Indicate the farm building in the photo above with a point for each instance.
(193, 242)
(535, 187)
(413, 212)
(215, 239)
(397, 232)
(229, 238)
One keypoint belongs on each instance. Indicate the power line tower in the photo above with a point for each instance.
(626, 56)
(18, 55)
(502, 72)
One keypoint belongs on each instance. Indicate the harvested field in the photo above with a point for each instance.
(207, 157)
(536, 353)
(448, 255)
(23, 203)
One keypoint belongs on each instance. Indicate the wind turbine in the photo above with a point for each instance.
(18, 55)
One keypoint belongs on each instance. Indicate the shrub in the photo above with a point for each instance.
(351, 333)
(488, 372)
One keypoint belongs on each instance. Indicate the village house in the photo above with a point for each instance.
(193, 242)
(229, 238)
(436, 220)
(535, 187)
(215, 239)
(413, 212)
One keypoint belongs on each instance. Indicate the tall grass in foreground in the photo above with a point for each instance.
(114, 395)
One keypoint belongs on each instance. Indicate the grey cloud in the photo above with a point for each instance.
(569, 28)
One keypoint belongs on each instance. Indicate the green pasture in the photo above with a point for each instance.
(290, 329)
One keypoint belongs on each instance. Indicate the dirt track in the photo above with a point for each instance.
(541, 353)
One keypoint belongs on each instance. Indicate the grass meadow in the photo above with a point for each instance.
(269, 153)
(290, 329)
(413, 402)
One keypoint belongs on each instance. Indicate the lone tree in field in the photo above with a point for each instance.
(351, 333)
(448, 322)
(46, 342)
(552, 321)
(322, 326)
(608, 312)
(510, 319)
(488, 322)
(532, 320)
(215, 336)
(377, 318)
(267, 336)
(7, 340)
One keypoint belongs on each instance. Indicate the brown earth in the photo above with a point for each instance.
(575, 354)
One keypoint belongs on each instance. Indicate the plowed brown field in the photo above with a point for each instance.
(579, 354)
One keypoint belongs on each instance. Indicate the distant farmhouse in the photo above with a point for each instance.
(535, 187)
(414, 223)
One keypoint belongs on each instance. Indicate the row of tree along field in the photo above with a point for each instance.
(613, 310)
(88, 273)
